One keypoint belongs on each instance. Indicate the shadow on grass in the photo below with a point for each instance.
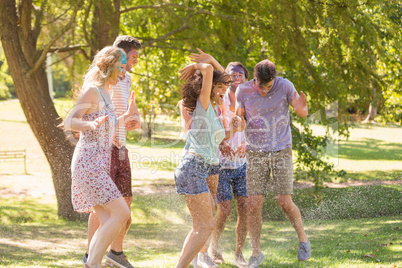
(369, 149)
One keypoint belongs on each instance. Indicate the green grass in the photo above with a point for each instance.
(32, 236)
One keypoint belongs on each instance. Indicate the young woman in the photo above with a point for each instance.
(202, 95)
(93, 115)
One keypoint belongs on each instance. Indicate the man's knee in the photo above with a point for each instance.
(285, 202)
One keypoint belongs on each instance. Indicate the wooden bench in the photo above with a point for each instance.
(14, 156)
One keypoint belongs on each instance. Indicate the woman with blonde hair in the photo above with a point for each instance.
(92, 189)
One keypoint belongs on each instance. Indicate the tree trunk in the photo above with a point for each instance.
(105, 23)
(33, 92)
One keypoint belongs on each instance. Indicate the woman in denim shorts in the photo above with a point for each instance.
(202, 94)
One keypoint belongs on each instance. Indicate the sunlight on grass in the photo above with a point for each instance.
(161, 223)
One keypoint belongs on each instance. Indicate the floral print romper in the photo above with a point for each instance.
(90, 166)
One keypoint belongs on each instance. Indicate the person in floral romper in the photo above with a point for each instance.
(93, 116)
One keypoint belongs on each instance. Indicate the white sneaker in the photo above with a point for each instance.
(240, 261)
(194, 262)
(254, 262)
(205, 261)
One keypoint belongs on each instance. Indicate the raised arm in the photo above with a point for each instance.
(187, 120)
(207, 75)
(88, 102)
(299, 103)
(206, 58)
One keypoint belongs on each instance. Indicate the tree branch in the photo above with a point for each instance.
(66, 49)
(197, 10)
(25, 18)
(42, 57)
(84, 29)
(38, 19)
(181, 28)
(153, 7)
(173, 47)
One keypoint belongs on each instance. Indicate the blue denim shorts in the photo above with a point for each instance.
(191, 174)
(214, 170)
(231, 179)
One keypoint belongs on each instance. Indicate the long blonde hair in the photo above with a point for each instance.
(102, 66)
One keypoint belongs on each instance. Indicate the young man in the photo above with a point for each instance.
(232, 176)
(264, 102)
(120, 170)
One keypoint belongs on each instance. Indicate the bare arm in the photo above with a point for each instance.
(87, 103)
(206, 58)
(186, 118)
(207, 74)
(299, 103)
(135, 121)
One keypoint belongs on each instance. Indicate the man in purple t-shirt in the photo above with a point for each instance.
(264, 103)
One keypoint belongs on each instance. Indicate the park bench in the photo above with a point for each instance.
(19, 155)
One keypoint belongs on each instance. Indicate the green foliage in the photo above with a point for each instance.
(6, 82)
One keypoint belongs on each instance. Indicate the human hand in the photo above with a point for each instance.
(133, 124)
(187, 72)
(97, 122)
(202, 57)
(116, 142)
(299, 102)
(226, 150)
(241, 150)
(131, 106)
(238, 123)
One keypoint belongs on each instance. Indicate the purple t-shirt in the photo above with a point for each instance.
(268, 122)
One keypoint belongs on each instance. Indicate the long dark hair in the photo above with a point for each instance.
(191, 90)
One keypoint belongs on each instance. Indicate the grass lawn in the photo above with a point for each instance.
(32, 236)
(349, 227)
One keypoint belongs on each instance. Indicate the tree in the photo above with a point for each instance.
(20, 28)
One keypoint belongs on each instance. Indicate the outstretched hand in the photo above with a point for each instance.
(299, 102)
(187, 72)
(131, 105)
(202, 57)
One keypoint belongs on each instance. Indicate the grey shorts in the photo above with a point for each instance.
(269, 171)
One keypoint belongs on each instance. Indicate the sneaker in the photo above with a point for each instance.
(84, 258)
(205, 261)
(304, 251)
(240, 261)
(194, 261)
(254, 262)
(216, 255)
(119, 261)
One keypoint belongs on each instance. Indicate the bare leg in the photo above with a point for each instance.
(255, 222)
(212, 182)
(117, 244)
(203, 224)
(93, 225)
(111, 216)
(293, 213)
(241, 228)
(224, 209)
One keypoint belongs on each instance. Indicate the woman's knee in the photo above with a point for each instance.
(225, 208)
(206, 226)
